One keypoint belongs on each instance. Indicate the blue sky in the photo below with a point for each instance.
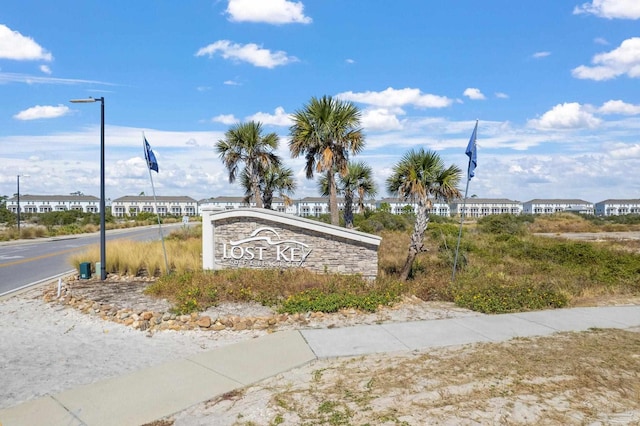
(554, 85)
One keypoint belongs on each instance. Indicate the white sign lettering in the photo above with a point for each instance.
(265, 249)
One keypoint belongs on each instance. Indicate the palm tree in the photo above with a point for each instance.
(244, 143)
(358, 180)
(275, 179)
(421, 176)
(326, 131)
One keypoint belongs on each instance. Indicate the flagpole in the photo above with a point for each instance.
(155, 201)
(471, 154)
(462, 213)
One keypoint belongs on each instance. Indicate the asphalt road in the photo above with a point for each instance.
(27, 262)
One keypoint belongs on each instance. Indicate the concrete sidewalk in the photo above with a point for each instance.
(165, 389)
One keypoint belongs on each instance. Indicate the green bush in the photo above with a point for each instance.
(381, 220)
(505, 224)
(317, 300)
(6, 216)
(499, 297)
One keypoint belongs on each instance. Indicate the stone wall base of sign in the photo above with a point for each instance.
(261, 238)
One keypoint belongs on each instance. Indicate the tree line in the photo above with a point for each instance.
(327, 132)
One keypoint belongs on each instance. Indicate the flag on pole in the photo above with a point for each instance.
(152, 163)
(472, 152)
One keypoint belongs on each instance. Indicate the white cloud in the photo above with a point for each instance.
(539, 55)
(622, 9)
(42, 111)
(501, 95)
(600, 40)
(473, 93)
(566, 116)
(45, 69)
(381, 119)
(623, 151)
(625, 59)
(350, 61)
(231, 83)
(391, 97)
(280, 118)
(14, 45)
(251, 53)
(269, 11)
(227, 119)
(619, 107)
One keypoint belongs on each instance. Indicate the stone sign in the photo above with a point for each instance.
(261, 238)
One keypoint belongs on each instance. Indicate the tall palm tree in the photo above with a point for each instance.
(358, 180)
(420, 177)
(245, 143)
(277, 179)
(326, 131)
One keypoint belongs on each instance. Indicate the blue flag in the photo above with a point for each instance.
(152, 163)
(472, 153)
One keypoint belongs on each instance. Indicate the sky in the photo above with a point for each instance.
(554, 85)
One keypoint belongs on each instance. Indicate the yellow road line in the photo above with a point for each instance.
(44, 256)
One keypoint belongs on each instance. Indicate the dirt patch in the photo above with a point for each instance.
(570, 378)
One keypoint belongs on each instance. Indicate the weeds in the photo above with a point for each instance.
(502, 267)
(289, 291)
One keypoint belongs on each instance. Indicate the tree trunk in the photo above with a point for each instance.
(255, 187)
(348, 209)
(333, 198)
(416, 245)
(267, 199)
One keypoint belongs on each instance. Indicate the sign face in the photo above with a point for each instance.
(264, 248)
(261, 238)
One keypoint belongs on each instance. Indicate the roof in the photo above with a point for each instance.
(55, 198)
(557, 201)
(476, 200)
(150, 199)
(620, 201)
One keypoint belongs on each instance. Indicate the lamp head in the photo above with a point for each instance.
(83, 101)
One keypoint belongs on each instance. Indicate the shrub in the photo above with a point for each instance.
(505, 224)
(382, 221)
(504, 297)
(286, 290)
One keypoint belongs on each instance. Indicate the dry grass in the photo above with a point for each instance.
(562, 222)
(569, 378)
(145, 258)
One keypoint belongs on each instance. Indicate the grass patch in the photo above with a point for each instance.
(289, 291)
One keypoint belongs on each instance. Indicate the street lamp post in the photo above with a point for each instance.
(103, 239)
(18, 195)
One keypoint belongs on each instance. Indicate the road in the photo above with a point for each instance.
(26, 262)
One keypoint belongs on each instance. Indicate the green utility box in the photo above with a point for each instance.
(85, 270)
